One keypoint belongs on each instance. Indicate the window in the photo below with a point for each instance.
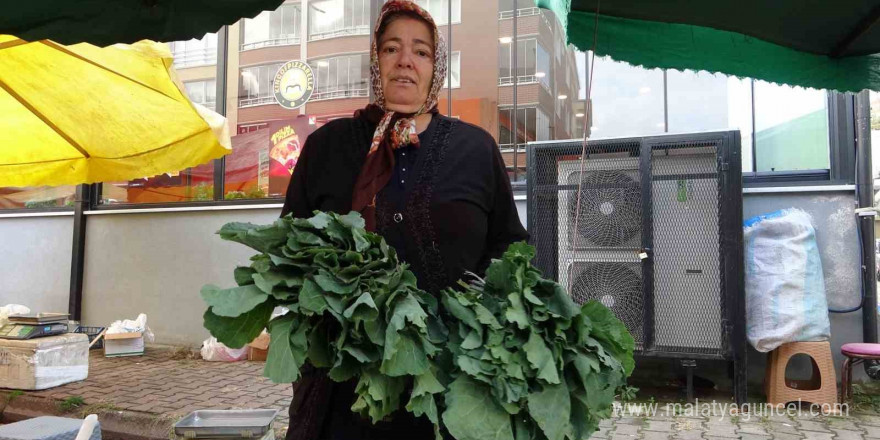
(532, 125)
(202, 92)
(341, 77)
(454, 70)
(791, 128)
(533, 63)
(704, 102)
(875, 137)
(337, 18)
(439, 10)
(627, 100)
(272, 28)
(37, 197)
(195, 52)
(255, 85)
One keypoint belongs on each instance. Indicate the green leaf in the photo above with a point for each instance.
(607, 327)
(233, 302)
(559, 303)
(241, 330)
(330, 283)
(551, 409)
(287, 349)
(363, 309)
(516, 313)
(541, 359)
(264, 239)
(407, 358)
(472, 414)
(243, 275)
(320, 354)
(311, 298)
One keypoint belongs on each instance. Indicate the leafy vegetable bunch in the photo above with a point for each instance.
(354, 308)
(528, 363)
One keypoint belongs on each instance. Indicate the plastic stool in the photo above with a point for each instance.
(855, 354)
(823, 382)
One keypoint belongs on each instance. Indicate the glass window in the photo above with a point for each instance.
(341, 77)
(627, 100)
(875, 137)
(791, 128)
(439, 10)
(705, 102)
(37, 197)
(255, 85)
(202, 92)
(272, 28)
(336, 18)
(454, 70)
(193, 53)
(533, 62)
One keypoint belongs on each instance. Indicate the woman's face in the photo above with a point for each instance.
(406, 64)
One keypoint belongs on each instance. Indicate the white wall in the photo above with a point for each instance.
(35, 254)
(156, 263)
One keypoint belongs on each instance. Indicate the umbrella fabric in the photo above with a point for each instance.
(106, 22)
(83, 114)
(816, 43)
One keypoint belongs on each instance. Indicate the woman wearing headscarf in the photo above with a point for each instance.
(434, 187)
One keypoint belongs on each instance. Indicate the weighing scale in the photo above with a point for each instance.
(34, 326)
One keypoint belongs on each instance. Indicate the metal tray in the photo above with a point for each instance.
(252, 423)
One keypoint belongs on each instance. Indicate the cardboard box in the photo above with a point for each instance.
(123, 344)
(258, 349)
(41, 363)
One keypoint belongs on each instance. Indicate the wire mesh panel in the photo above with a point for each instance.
(686, 248)
(591, 243)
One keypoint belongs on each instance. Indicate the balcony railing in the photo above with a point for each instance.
(522, 12)
(281, 41)
(340, 94)
(525, 12)
(523, 80)
(344, 32)
(251, 102)
(195, 57)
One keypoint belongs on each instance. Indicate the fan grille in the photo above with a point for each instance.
(610, 209)
(616, 285)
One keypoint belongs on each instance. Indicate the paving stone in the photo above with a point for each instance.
(784, 436)
(627, 429)
(654, 435)
(755, 437)
(782, 427)
(847, 434)
(752, 428)
(811, 425)
(661, 426)
(871, 431)
(843, 423)
(623, 437)
(813, 435)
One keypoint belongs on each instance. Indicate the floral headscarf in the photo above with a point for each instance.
(393, 130)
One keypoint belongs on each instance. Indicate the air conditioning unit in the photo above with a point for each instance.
(651, 227)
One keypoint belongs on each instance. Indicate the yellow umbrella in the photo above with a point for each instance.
(83, 114)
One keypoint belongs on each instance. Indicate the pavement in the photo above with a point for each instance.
(140, 398)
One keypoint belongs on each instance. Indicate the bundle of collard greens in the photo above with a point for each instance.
(354, 308)
(527, 362)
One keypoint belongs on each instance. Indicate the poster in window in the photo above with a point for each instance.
(286, 140)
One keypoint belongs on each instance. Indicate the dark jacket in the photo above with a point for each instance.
(456, 214)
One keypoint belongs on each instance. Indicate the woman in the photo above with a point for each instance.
(434, 187)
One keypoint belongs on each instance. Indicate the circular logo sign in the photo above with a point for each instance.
(293, 84)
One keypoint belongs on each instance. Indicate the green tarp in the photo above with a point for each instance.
(661, 34)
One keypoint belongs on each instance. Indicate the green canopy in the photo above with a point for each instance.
(820, 44)
(106, 22)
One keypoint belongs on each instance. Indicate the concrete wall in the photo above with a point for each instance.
(156, 263)
(835, 223)
(35, 255)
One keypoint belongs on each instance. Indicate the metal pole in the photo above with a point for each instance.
(515, 48)
(221, 91)
(865, 185)
(78, 256)
(449, 57)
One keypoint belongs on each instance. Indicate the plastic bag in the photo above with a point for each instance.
(785, 286)
(214, 351)
(129, 326)
(11, 309)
